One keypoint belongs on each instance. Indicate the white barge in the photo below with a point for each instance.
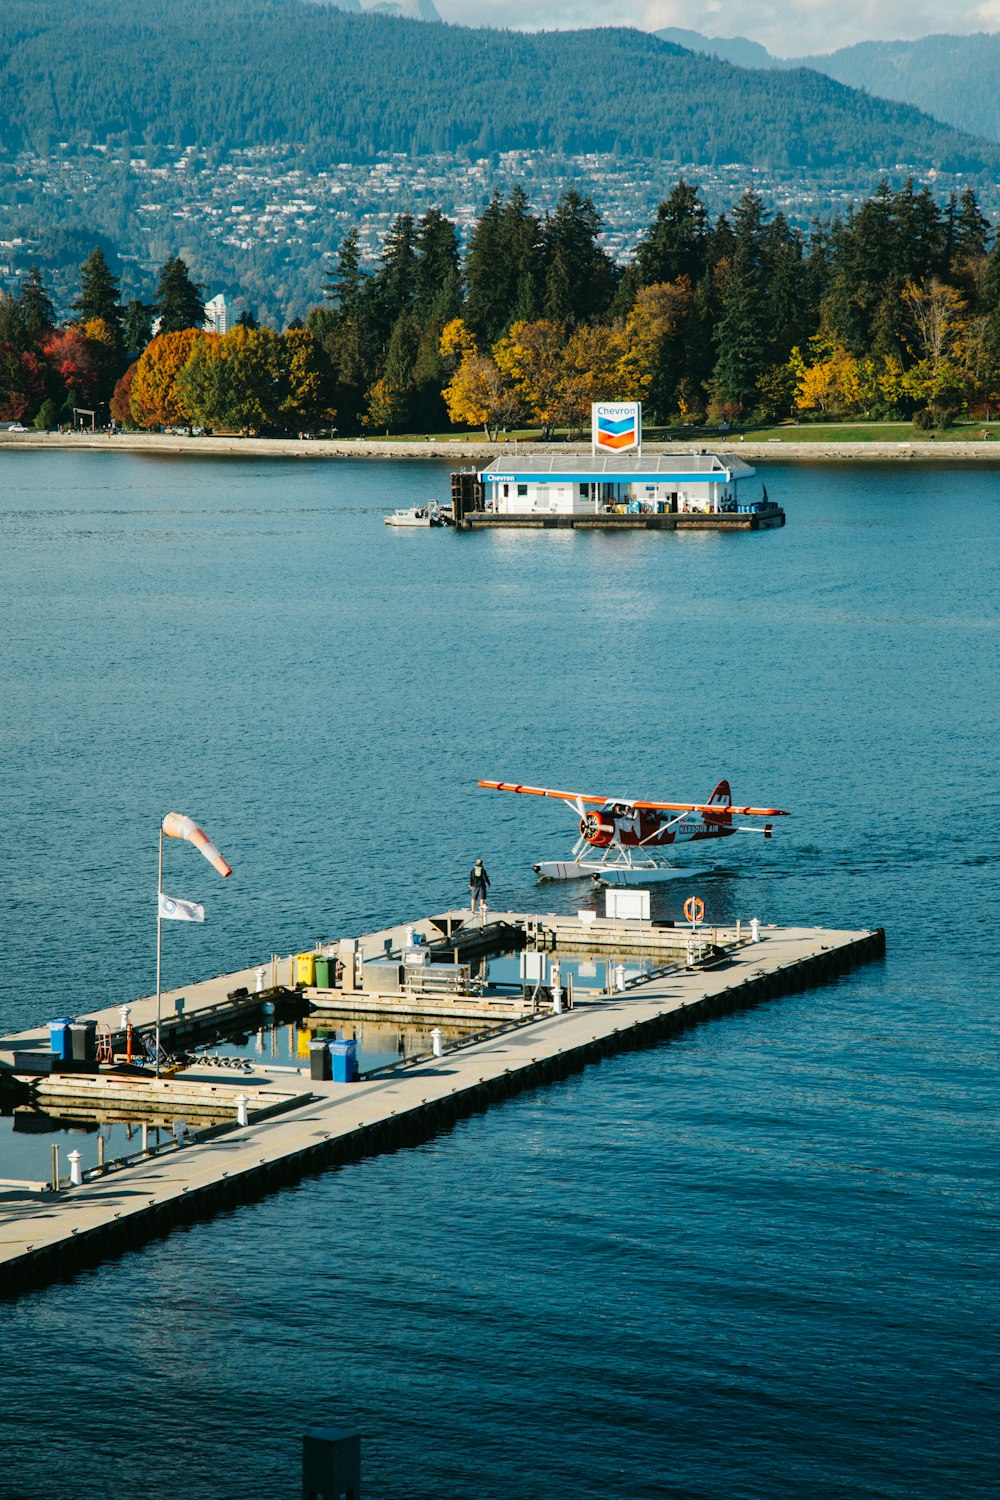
(669, 492)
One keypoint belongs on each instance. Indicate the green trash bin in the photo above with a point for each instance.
(323, 966)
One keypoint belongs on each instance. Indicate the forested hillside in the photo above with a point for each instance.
(894, 311)
(257, 72)
(953, 78)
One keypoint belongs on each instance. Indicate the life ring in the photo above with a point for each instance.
(694, 909)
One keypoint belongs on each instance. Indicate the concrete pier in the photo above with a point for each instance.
(44, 1237)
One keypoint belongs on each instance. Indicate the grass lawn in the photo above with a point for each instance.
(785, 432)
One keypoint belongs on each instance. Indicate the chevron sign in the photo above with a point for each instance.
(616, 426)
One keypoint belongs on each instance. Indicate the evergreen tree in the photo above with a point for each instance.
(392, 289)
(99, 294)
(580, 277)
(347, 281)
(557, 303)
(742, 330)
(970, 229)
(968, 239)
(436, 264)
(503, 267)
(179, 303)
(138, 325)
(677, 242)
(37, 312)
(791, 313)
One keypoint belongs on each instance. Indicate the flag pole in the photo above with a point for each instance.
(159, 949)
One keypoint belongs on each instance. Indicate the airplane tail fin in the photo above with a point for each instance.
(722, 794)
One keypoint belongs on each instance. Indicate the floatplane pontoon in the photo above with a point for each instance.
(624, 836)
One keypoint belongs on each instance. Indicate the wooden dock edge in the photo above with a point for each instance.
(61, 1259)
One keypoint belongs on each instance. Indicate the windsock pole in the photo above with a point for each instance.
(177, 826)
(159, 950)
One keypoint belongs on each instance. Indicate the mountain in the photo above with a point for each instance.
(408, 10)
(252, 73)
(735, 49)
(952, 78)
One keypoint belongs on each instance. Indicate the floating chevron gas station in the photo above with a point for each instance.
(615, 486)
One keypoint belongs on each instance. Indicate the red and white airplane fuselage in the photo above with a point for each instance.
(625, 834)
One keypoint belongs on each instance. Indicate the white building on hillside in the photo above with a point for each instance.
(217, 315)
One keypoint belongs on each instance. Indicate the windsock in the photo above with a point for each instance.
(177, 826)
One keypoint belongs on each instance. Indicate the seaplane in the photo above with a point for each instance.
(621, 840)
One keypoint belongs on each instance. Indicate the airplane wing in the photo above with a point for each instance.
(539, 791)
(630, 802)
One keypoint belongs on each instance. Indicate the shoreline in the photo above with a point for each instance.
(466, 450)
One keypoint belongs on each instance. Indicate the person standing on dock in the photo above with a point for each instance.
(478, 882)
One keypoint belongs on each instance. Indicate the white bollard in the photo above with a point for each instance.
(556, 988)
(123, 1017)
(241, 1101)
(408, 937)
(260, 973)
(754, 930)
(690, 954)
(437, 1042)
(619, 977)
(75, 1175)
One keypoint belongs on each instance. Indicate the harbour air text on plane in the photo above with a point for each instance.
(620, 838)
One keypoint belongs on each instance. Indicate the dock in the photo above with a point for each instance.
(297, 1126)
(481, 520)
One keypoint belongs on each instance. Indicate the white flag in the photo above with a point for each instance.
(173, 909)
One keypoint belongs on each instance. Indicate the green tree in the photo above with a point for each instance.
(178, 303)
(503, 267)
(347, 281)
(580, 276)
(742, 330)
(310, 400)
(436, 263)
(391, 395)
(99, 294)
(138, 325)
(392, 289)
(47, 419)
(677, 242)
(37, 312)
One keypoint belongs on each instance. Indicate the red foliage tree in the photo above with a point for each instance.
(71, 360)
(121, 411)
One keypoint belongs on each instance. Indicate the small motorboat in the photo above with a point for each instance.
(430, 514)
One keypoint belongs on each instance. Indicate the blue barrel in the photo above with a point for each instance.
(60, 1042)
(344, 1061)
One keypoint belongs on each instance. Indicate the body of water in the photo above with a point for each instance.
(756, 1261)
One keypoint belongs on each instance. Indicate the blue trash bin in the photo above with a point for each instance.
(60, 1042)
(344, 1060)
